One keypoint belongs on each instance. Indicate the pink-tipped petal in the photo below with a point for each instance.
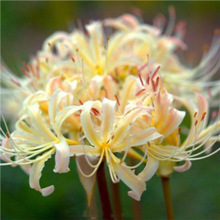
(136, 184)
(150, 169)
(176, 117)
(35, 176)
(62, 157)
(186, 166)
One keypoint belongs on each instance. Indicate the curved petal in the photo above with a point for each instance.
(38, 122)
(136, 184)
(108, 109)
(35, 175)
(123, 127)
(87, 124)
(128, 91)
(63, 115)
(140, 138)
(186, 166)
(202, 105)
(150, 169)
(62, 157)
(175, 119)
(145, 136)
(54, 105)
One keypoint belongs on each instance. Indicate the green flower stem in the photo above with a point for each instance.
(167, 197)
(103, 193)
(116, 200)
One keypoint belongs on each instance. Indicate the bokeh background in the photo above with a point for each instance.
(24, 27)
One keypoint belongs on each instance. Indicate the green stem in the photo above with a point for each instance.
(167, 197)
(103, 193)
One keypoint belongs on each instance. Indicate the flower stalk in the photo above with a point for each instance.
(103, 193)
(167, 197)
(117, 201)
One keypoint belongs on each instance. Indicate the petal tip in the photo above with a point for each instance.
(47, 191)
(134, 195)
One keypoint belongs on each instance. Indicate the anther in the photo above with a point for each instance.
(155, 72)
(157, 82)
(15, 82)
(179, 130)
(195, 114)
(203, 116)
(196, 122)
(7, 134)
(141, 80)
(80, 102)
(139, 92)
(25, 73)
(95, 111)
(117, 100)
(32, 70)
(26, 66)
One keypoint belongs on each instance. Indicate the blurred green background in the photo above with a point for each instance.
(24, 27)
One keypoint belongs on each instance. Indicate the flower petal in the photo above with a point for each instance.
(54, 104)
(38, 122)
(87, 124)
(145, 136)
(150, 169)
(131, 180)
(35, 175)
(63, 115)
(175, 119)
(123, 127)
(108, 109)
(62, 157)
(184, 167)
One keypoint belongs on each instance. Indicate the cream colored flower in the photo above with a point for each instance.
(36, 139)
(100, 98)
(110, 133)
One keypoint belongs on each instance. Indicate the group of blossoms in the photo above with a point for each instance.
(112, 93)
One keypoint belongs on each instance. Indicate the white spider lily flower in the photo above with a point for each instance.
(163, 157)
(36, 139)
(109, 134)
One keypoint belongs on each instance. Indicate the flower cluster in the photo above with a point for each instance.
(101, 97)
